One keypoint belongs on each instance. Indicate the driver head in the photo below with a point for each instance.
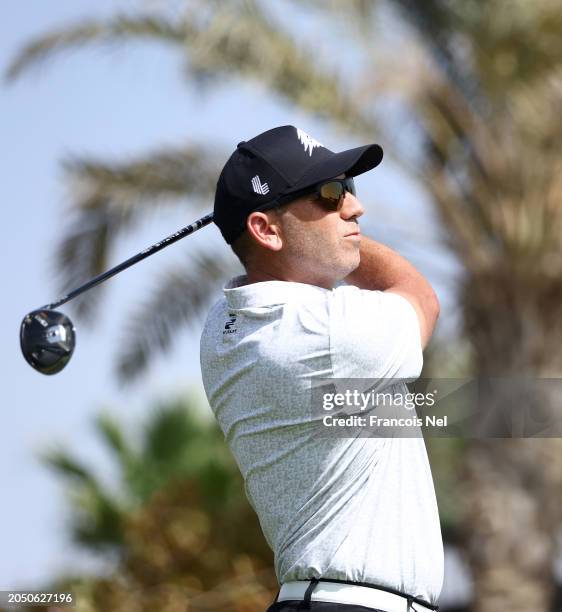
(47, 339)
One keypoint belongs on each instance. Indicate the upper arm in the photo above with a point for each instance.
(427, 308)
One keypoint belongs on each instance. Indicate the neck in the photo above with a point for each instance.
(260, 276)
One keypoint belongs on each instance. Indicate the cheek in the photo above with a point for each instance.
(303, 241)
(319, 244)
(325, 245)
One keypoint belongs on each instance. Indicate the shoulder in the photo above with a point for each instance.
(363, 301)
(216, 313)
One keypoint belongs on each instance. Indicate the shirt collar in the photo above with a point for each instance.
(268, 293)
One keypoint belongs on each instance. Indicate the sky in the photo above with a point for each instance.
(111, 104)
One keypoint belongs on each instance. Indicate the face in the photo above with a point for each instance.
(320, 246)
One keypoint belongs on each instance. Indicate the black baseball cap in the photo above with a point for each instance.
(275, 166)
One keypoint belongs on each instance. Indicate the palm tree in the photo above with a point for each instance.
(176, 527)
(176, 444)
(479, 87)
(485, 100)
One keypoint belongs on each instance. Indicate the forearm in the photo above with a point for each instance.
(382, 268)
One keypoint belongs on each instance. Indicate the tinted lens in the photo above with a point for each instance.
(332, 193)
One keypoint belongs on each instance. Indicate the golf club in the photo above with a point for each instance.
(48, 337)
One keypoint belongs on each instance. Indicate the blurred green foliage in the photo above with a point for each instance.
(176, 529)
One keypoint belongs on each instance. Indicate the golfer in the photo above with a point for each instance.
(352, 521)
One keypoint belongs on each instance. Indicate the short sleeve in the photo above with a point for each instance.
(373, 334)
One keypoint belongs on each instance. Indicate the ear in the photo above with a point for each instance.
(265, 230)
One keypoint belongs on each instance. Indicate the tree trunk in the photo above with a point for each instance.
(513, 486)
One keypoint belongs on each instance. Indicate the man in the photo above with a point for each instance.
(352, 521)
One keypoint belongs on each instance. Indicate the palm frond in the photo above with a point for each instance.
(440, 24)
(98, 519)
(111, 432)
(235, 39)
(118, 29)
(97, 516)
(82, 253)
(109, 198)
(169, 431)
(359, 12)
(162, 174)
(69, 468)
(181, 298)
(176, 444)
(244, 41)
(488, 48)
(513, 184)
(180, 446)
(512, 44)
(495, 200)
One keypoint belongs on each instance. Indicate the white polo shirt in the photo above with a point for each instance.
(360, 509)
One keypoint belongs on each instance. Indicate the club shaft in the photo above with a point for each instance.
(182, 233)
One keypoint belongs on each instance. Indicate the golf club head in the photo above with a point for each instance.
(47, 339)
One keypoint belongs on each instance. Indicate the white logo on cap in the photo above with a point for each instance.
(259, 187)
(307, 141)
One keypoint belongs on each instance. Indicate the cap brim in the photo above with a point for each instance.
(351, 163)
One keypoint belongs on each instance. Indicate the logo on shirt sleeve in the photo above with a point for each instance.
(229, 324)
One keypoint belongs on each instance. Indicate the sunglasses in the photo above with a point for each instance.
(330, 194)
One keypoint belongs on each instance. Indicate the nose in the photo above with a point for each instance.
(352, 207)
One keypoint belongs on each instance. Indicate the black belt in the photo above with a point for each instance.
(306, 603)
